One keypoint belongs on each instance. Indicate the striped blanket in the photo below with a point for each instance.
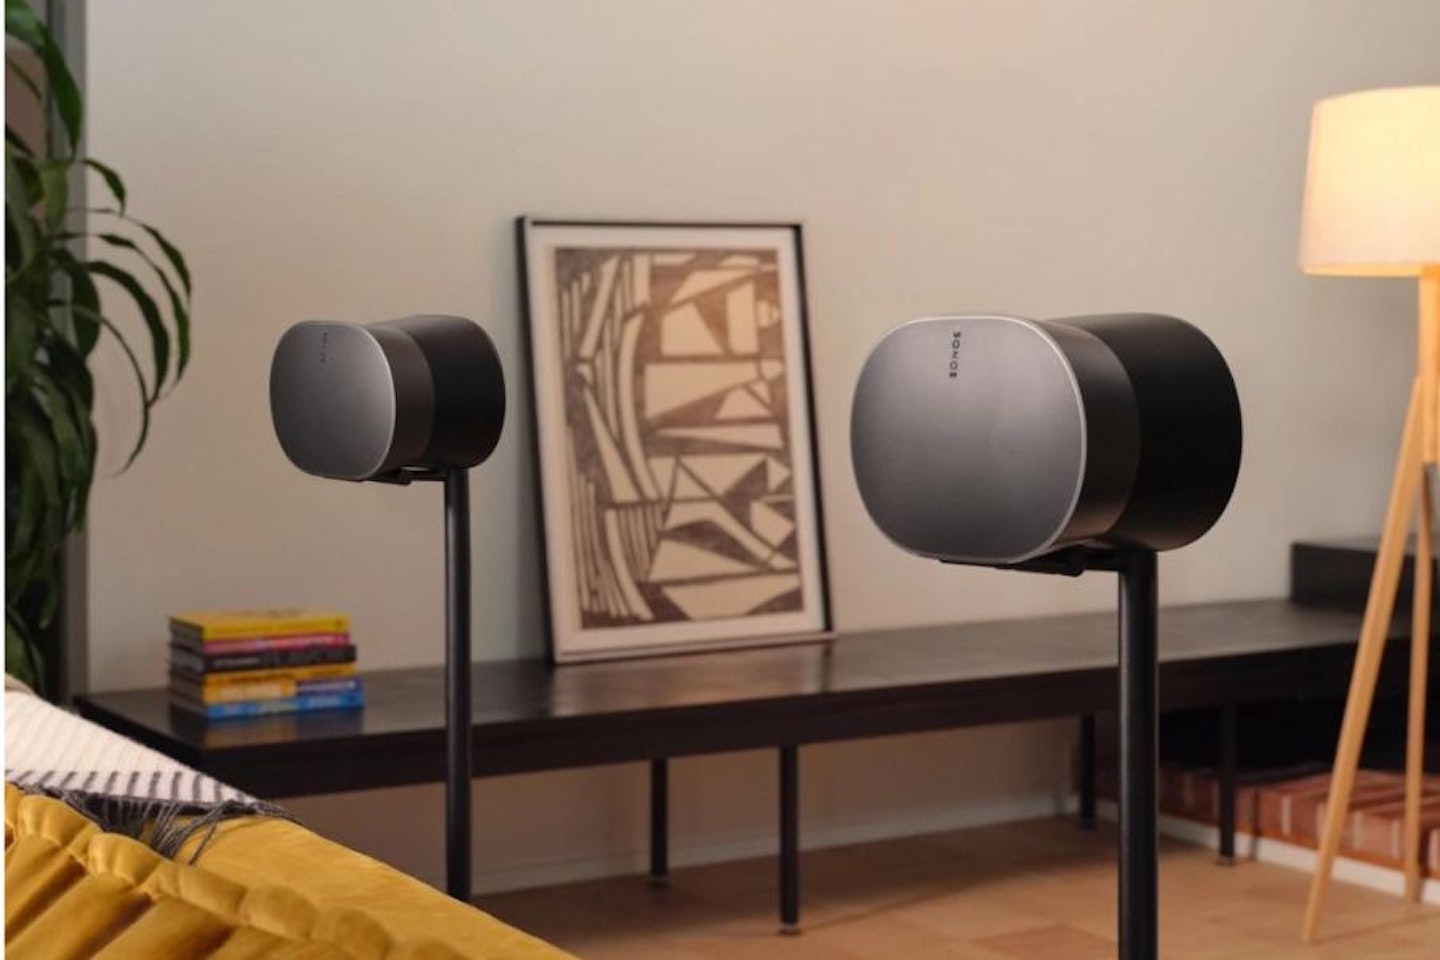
(124, 786)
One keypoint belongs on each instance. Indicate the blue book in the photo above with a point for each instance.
(344, 699)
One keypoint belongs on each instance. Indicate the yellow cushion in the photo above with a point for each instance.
(263, 888)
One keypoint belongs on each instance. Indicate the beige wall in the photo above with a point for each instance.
(364, 160)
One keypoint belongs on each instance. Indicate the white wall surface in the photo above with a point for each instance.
(362, 159)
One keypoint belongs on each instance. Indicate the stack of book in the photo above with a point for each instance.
(245, 663)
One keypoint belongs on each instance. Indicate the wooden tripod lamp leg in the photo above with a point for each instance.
(1419, 668)
(1373, 631)
(1429, 375)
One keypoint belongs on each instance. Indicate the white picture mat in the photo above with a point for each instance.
(570, 640)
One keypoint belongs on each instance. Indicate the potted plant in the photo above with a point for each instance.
(58, 261)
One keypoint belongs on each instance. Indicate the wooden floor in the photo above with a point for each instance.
(1041, 890)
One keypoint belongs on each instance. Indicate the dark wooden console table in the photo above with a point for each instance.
(530, 716)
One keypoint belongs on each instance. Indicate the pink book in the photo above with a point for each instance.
(296, 642)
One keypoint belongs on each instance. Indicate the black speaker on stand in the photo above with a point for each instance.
(416, 399)
(1061, 447)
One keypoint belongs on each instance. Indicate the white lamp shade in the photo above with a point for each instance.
(1372, 190)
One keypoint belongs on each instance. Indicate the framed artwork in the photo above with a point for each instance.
(679, 497)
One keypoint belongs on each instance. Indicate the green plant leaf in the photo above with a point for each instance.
(178, 308)
(145, 399)
(78, 397)
(82, 294)
(71, 456)
(59, 400)
(22, 656)
(18, 218)
(172, 253)
(18, 143)
(37, 450)
(112, 180)
(40, 447)
(71, 371)
(159, 336)
(55, 191)
(177, 260)
(21, 329)
(24, 77)
(22, 24)
(27, 169)
(27, 504)
(42, 588)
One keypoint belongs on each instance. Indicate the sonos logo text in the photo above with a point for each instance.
(325, 347)
(955, 354)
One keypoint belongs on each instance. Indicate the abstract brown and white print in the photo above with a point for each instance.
(681, 492)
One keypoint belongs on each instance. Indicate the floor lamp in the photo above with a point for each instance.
(1372, 208)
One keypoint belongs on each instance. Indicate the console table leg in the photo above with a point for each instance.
(789, 840)
(660, 822)
(1087, 771)
(1229, 780)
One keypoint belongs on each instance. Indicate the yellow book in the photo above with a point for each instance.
(239, 624)
(234, 678)
(235, 694)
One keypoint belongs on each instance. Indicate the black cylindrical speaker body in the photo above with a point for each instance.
(359, 401)
(994, 440)
(1190, 427)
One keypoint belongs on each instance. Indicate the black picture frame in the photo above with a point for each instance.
(630, 569)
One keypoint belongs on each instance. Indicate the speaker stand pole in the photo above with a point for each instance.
(1139, 712)
(1139, 725)
(457, 684)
